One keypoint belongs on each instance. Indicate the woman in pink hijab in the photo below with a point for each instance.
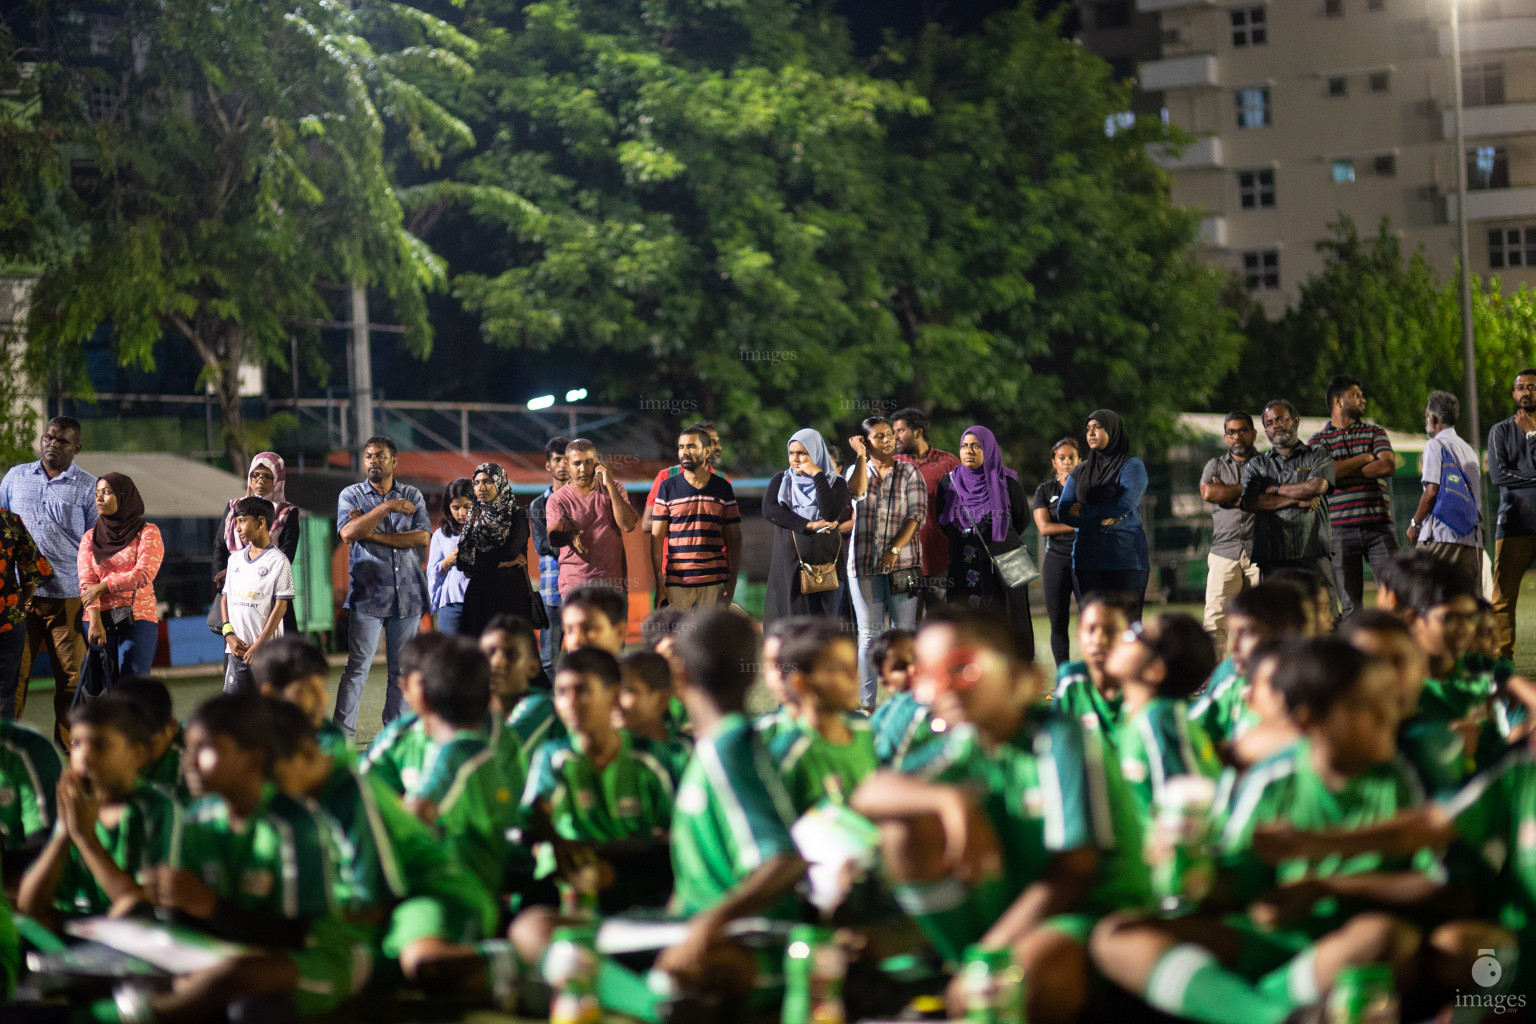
(267, 479)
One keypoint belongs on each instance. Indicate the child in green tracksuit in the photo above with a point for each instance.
(770, 722)
(906, 733)
(250, 865)
(113, 829)
(1306, 919)
(601, 798)
(644, 709)
(1430, 744)
(399, 884)
(463, 790)
(1023, 835)
(1083, 688)
(29, 777)
(398, 753)
(292, 669)
(1158, 665)
(1256, 617)
(526, 716)
(828, 750)
(154, 701)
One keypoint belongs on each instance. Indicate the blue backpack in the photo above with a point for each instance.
(1455, 505)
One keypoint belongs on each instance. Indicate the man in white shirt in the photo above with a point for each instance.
(1447, 450)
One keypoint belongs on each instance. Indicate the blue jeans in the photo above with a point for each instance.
(448, 617)
(362, 645)
(877, 610)
(136, 645)
(549, 639)
(12, 643)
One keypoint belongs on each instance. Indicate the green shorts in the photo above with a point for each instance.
(1261, 951)
(332, 966)
(953, 915)
(423, 917)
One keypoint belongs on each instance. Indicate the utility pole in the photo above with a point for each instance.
(360, 370)
(1468, 339)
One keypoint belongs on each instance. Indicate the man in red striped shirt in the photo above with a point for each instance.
(695, 531)
(1358, 507)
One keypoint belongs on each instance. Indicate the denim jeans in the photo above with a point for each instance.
(448, 617)
(1353, 546)
(136, 645)
(362, 645)
(877, 610)
(238, 677)
(549, 639)
(12, 643)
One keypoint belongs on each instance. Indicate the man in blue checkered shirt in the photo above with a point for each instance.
(56, 500)
(549, 560)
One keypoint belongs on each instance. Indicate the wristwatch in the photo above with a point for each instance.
(895, 551)
(1413, 524)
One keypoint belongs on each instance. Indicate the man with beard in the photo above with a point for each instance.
(56, 502)
(1512, 466)
(1284, 489)
(385, 522)
(587, 519)
(1359, 511)
(1229, 569)
(911, 428)
(559, 471)
(1450, 461)
(695, 531)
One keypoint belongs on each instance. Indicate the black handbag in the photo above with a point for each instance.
(906, 581)
(98, 672)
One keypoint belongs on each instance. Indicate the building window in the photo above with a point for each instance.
(1112, 15)
(1343, 172)
(1249, 27)
(1256, 189)
(1488, 167)
(1333, 8)
(1481, 10)
(1375, 5)
(1253, 107)
(1511, 247)
(1482, 85)
(1384, 165)
(1261, 270)
(1379, 81)
(1338, 87)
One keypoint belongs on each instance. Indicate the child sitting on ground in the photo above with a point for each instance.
(291, 668)
(153, 699)
(114, 827)
(1083, 687)
(644, 709)
(828, 750)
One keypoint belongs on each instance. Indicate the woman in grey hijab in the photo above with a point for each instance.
(805, 502)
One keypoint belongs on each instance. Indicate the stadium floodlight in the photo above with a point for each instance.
(576, 395)
(542, 402)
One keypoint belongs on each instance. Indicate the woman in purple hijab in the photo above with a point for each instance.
(984, 512)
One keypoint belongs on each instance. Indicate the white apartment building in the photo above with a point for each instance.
(1303, 109)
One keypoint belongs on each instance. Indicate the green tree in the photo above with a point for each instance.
(238, 161)
(1035, 263)
(744, 221)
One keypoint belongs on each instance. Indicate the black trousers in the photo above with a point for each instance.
(1060, 590)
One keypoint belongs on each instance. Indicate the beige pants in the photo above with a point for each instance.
(1225, 578)
(52, 621)
(688, 598)
(1512, 556)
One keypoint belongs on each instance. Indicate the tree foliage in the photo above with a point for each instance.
(1382, 314)
(235, 164)
(745, 221)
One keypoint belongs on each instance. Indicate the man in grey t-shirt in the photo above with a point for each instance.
(1229, 569)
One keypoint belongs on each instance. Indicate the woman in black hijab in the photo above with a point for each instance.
(1102, 498)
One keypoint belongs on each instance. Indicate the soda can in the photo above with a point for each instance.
(1184, 861)
(570, 968)
(994, 987)
(1363, 995)
(815, 967)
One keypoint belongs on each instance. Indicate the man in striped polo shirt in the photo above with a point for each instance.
(1358, 507)
(695, 531)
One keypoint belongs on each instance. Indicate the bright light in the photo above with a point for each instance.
(576, 395)
(542, 402)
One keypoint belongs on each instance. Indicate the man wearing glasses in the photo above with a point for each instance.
(1229, 569)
